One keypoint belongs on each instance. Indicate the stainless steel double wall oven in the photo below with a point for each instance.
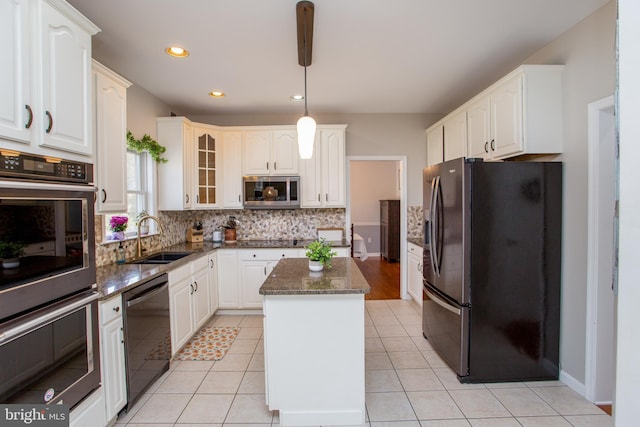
(49, 344)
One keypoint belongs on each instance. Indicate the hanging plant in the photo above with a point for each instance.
(147, 144)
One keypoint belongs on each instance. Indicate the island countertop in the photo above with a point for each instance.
(292, 276)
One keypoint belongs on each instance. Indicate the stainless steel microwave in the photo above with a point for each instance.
(271, 192)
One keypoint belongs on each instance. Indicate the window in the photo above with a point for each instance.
(139, 192)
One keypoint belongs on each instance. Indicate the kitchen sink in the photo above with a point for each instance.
(162, 258)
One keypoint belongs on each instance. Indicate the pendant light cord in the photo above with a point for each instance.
(306, 112)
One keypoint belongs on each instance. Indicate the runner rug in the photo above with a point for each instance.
(210, 343)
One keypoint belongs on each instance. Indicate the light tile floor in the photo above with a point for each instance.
(407, 385)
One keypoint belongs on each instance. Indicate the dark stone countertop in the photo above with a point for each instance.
(114, 279)
(291, 276)
(415, 241)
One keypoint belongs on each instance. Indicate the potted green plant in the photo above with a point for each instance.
(148, 144)
(319, 253)
(143, 224)
(10, 252)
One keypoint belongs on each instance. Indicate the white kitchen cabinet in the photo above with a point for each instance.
(188, 301)
(15, 85)
(255, 266)
(213, 282)
(435, 145)
(455, 135)
(228, 283)
(520, 114)
(110, 126)
(270, 152)
(47, 79)
(231, 166)
(414, 272)
(205, 171)
(175, 176)
(112, 356)
(323, 176)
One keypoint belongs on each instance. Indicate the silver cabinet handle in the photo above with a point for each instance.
(50, 117)
(275, 166)
(30, 119)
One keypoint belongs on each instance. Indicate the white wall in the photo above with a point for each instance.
(367, 134)
(628, 350)
(142, 110)
(371, 181)
(587, 50)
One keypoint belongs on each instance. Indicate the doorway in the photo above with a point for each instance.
(369, 180)
(602, 253)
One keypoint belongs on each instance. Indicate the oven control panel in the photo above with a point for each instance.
(27, 166)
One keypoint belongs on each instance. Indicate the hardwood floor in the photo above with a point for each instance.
(605, 408)
(382, 276)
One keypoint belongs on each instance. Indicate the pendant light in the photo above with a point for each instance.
(306, 124)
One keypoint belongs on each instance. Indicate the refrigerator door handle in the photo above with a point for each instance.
(441, 302)
(435, 227)
(432, 209)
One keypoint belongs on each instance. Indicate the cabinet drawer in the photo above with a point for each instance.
(110, 309)
(200, 263)
(267, 254)
(415, 249)
(178, 274)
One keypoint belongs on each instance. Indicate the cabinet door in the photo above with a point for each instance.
(506, 118)
(435, 141)
(206, 172)
(333, 169)
(201, 298)
(478, 130)
(15, 102)
(66, 85)
(414, 274)
(455, 136)
(111, 147)
(256, 153)
(180, 301)
(253, 274)
(284, 153)
(213, 283)
(228, 286)
(232, 169)
(311, 178)
(113, 367)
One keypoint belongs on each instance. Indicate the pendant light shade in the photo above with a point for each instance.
(306, 135)
(306, 124)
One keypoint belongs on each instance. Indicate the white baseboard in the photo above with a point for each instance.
(573, 383)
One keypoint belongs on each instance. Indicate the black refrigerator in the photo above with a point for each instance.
(491, 295)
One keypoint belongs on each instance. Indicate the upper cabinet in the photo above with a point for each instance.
(270, 152)
(206, 150)
(520, 114)
(322, 178)
(435, 142)
(455, 135)
(110, 125)
(232, 169)
(175, 190)
(48, 104)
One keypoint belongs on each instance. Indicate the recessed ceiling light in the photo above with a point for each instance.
(177, 51)
(216, 94)
(296, 98)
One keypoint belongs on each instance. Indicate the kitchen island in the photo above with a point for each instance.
(314, 343)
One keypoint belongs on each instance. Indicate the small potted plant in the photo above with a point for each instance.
(143, 224)
(10, 252)
(118, 225)
(319, 253)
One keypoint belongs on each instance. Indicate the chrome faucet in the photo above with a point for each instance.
(140, 220)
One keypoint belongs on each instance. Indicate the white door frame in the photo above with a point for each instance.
(403, 210)
(594, 110)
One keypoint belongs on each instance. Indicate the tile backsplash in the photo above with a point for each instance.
(415, 227)
(252, 225)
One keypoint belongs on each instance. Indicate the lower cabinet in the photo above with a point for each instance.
(414, 272)
(189, 301)
(255, 266)
(213, 282)
(228, 289)
(90, 412)
(112, 356)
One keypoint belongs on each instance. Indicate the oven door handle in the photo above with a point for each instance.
(37, 319)
(145, 296)
(433, 297)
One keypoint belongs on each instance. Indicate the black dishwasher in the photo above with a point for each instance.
(147, 335)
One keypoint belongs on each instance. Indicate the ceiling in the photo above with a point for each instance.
(369, 56)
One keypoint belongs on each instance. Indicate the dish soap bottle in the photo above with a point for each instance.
(120, 255)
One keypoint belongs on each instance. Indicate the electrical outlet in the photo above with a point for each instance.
(368, 239)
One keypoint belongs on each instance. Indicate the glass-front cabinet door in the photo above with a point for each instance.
(206, 170)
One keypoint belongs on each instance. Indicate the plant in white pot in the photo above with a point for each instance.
(319, 253)
(10, 252)
(143, 223)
